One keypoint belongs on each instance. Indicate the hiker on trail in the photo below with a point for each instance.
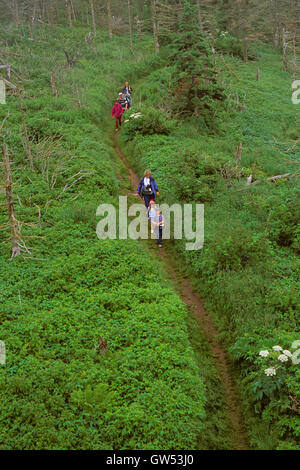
(128, 98)
(127, 90)
(122, 100)
(148, 188)
(152, 214)
(117, 112)
(158, 223)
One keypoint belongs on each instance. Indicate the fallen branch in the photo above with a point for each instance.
(9, 84)
(274, 178)
(250, 183)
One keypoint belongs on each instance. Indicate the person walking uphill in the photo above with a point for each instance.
(117, 112)
(148, 188)
(127, 89)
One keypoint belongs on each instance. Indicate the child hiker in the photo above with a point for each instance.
(158, 222)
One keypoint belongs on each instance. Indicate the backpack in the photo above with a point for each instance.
(147, 190)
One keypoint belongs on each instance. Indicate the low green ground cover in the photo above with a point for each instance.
(248, 270)
(56, 390)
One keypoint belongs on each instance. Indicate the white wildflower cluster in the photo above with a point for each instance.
(264, 353)
(270, 372)
(135, 115)
(284, 356)
(287, 353)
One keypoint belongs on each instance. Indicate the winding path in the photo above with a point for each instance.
(186, 292)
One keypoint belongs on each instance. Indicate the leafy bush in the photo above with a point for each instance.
(147, 122)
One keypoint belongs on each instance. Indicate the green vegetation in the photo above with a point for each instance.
(215, 122)
(248, 270)
(57, 390)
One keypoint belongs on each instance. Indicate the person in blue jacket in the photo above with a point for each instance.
(148, 188)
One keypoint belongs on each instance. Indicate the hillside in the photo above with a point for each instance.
(183, 329)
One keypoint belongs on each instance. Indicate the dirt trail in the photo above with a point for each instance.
(185, 289)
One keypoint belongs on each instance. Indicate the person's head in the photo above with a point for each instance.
(120, 95)
(147, 173)
(126, 83)
(116, 101)
(152, 203)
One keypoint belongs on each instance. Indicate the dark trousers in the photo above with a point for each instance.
(147, 199)
(159, 235)
(118, 122)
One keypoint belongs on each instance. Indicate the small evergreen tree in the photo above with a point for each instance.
(196, 89)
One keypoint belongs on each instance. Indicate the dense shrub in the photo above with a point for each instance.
(147, 122)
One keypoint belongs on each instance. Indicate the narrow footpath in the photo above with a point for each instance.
(186, 292)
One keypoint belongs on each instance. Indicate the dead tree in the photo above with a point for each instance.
(109, 18)
(200, 22)
(69, 12)
(27, 143)
(139, 26)
(101, 347)
(284, 49)
(130, 24)
(154, 24)
(14, 224)
(238, 155)
(53, 85)
(32, 19)
(71, 59)
(93, 17)
(258, 75)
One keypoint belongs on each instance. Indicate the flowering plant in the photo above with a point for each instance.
(279, 355)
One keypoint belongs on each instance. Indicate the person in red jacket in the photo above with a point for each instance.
(117, 112)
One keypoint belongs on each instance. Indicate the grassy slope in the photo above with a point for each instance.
(56, 391)
(248, 271)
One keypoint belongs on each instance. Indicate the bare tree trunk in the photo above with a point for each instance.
(27, 143)
(276, 24)
(31, 23)
(14, 226)
(130, 24)
(93, 17)
(56, 12)
(199, 15)
(108, 3)
(72, 10)
(154, 24)
(245, 50)
(49, 13)
(17, 14)
(258, 75)
(69, 13)
(284, 49)
(139, 26)
(238, 154)
(53, 85)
